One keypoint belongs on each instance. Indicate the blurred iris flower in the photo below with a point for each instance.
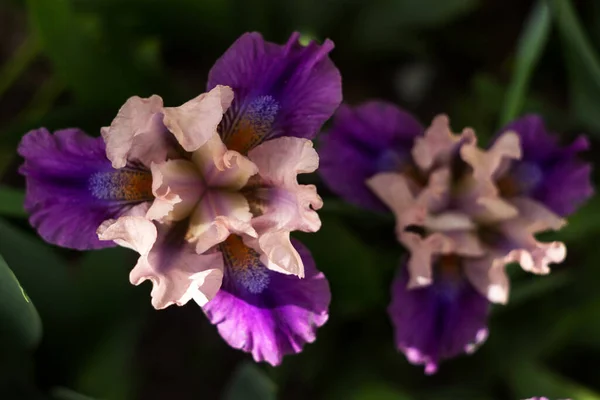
(462, 212)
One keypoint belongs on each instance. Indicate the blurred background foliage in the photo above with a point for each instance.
(73, 328)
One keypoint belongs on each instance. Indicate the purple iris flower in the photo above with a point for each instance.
(462, 212)
(206, 192)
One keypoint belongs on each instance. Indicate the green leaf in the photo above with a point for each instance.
(11, 202)
(582, 62)
(376, 391)
(249, 382)
(531, 45)
(18, 63)
(21, 325)
(535, 287)
(79, 57)
(61, 393)
(529, 379)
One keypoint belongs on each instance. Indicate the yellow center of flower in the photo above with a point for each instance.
(244, 265)
(253, 126)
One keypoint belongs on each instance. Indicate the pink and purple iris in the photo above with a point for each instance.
(462, 212)
(206, 192)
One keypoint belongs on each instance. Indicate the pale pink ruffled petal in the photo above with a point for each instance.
(439, 143)
(479, 199)
(489, 164)
(137, 133)
(177, 187)
(196, 121)
(409, 208)
(285, 205)
(222, 168)
(422, 250)
(177, 273)
(488, 276)
(534, 256)
(218, 215)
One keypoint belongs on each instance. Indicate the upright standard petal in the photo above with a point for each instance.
(196, 121)
(282, 205)
(138, 134)
(178, 274)
(365, 140)
(440, 321)
(546, 166)
(266, 313)
(288, 90)
(72, 188)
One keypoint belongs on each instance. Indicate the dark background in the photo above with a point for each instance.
(72, 63)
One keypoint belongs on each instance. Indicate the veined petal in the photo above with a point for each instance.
(438, 143)
(439, 321)
(177, 186)
(363, 141)
(196, 121)
(177, 273)
(288, 90)
(71, 187)
(217, 215)
(266, 313)
(138, 134)
(222, 168)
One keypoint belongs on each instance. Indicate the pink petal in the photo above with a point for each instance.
(488, 276)
(218, 215)
(177, 273)
(196, 121)
(288, 206)
(488, 164)
(177, 187)
(410, 206)
(439, 143)
(222, 168)
(137, 133)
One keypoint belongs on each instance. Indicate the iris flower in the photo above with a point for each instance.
(462, 212)
(206, 192)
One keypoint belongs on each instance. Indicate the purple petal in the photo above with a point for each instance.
(438, 321)
(550, 173)
(267, 313)
(71, 187)
(288, 90)
(365, 140)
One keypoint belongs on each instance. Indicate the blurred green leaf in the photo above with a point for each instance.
(528, 289)
(86, 66)
(353, 270)
(583, 64)
(376, 391)
(61, 393)
(584, 223)
(109, 372)
(11, 202)
(528, 379)
(249, 382)
(21, 325)
(18, 63)
(531, 45)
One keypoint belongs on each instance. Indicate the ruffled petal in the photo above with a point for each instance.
(177, 186)
(218, 215)
(196, 121)
(439, 144)
(547, 165)
(285, 206)
(371, 138)
(266, 313)
(222, 168)
(488, 275)
(410, 204)
(423, 250)
(177, 273)
(137, 134)
(71, 187)
(489, 164)
(288, 90)
(439, 321)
